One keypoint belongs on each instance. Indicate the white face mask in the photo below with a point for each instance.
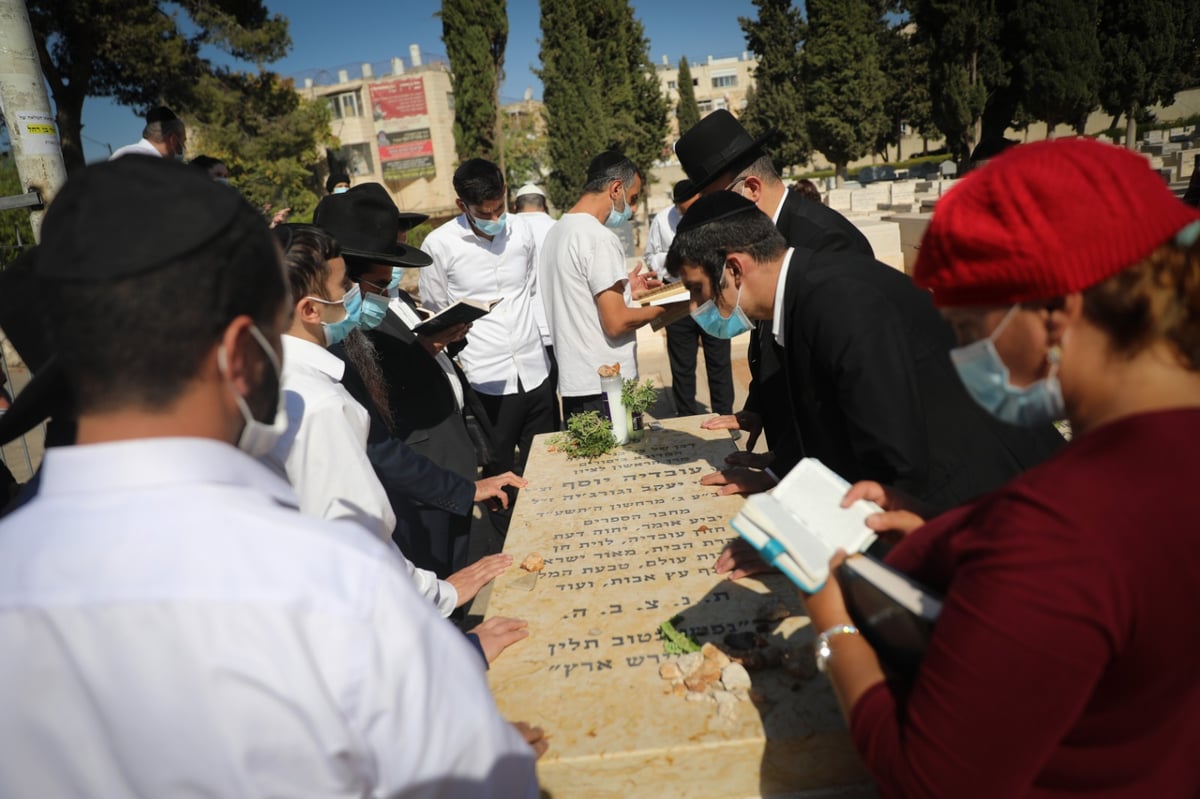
(258, 438)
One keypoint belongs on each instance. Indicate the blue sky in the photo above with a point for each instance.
(328, 35)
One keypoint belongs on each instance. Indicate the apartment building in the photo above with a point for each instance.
(395, 122)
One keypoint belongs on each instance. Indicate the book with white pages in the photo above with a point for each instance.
(799, 524)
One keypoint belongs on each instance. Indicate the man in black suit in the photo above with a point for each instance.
(865, 370)
(419, 442)
(718, 154)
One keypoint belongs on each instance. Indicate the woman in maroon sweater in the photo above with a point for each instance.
(1066, 660)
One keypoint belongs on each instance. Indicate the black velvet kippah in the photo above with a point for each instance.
(130, 216)
(710, 208)
(160, 114)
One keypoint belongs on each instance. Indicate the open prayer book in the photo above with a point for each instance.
(799, 524)
(665, 295)
(460, 313)
(893, 612)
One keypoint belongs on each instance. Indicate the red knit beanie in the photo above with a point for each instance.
(1043, 220)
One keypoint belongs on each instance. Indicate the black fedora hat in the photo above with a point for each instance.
(410, 219)
(714, 145)
(22, 317)
(366, 222)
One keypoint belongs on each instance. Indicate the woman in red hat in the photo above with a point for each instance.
(1064, 661)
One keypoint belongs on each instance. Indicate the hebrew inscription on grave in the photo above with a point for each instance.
(629, 542)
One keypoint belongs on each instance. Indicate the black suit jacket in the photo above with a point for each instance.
(873, 393)
(814, 226)
(427, 461)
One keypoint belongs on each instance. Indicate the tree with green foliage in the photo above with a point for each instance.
(966, 67)
(526, 149)
(1139, 46)
(686, 110)
(645, 140)
(1057, 59)
(271, 138)
(904, 60)
(600, 91)
(777, 102)
(141, 52)
(572, 100)
(475, 33)
(844, 85)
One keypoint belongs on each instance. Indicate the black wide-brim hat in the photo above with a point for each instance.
(410, 219)
(365, 221)
(714, 145)
(22, 317)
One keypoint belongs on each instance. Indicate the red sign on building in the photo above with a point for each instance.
(396, 99)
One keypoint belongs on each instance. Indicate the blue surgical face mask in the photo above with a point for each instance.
(336, 332)
(374, 309)
(986, 378)
(341, 189)
(490, 227)
(711, 322)
(258, 438)
(617, 218)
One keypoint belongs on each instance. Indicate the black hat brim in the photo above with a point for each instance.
(402, 256)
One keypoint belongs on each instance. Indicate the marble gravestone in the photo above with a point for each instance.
(629, 541)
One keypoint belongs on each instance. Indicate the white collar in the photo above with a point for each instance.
(780, 289)
(314, 356)
(779, 208)
(157, 462)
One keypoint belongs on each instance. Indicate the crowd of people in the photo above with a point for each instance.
(268, 497)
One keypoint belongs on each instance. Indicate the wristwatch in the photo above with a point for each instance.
(824, 651)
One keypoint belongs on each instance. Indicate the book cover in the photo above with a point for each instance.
(893, 612)
(799, 524)
(460, 313)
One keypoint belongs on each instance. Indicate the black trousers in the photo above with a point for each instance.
(589, 402)
(682, 339)
(516, 419)
(554, 386)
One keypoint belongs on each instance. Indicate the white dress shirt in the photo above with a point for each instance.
(540, 223)
(780, 317)
(171, 625)
(323, 454)
(143, 147)
(662, 233)
(504, 345)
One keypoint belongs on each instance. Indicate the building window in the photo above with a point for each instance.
(724, 81)
(705, 106)
(671, 84)
(346, 104)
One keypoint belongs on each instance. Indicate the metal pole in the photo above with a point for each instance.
(26, 107)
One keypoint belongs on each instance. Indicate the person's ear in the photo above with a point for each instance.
(615, 190)
(308, 311)
(234, 358)
(462, 206)
(1061, 315)
(735, 267)
(753, 188)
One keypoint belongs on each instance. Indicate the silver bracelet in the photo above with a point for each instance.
(824, 651)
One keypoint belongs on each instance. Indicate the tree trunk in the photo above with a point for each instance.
(70, 129)
(1131, 127)
(839, 171)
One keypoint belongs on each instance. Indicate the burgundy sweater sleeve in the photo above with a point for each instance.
(1026, 630)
